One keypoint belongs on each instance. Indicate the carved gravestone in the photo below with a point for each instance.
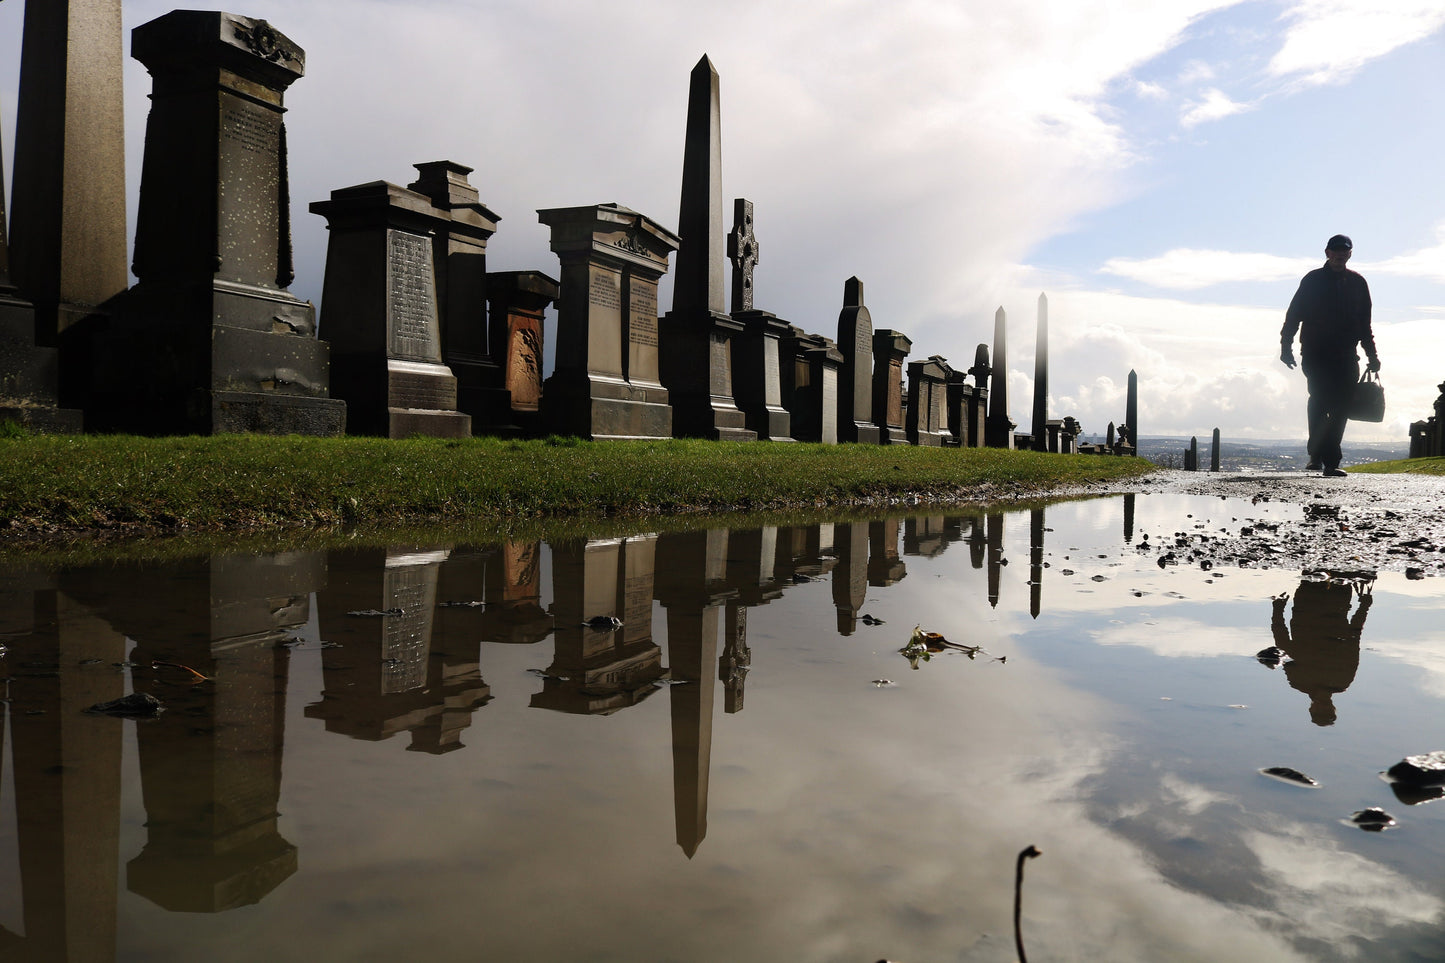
(757, 371)
(518, 301)
(927, 401)
(460, 252)
(889, 350)
(810, 366)
(379, 311)
(696, 335)
(210, 340)
(855, 379)
(28, 386)
(959, 394)
(604, 382)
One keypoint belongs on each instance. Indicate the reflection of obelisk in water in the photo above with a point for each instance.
(995, 555)
(850, 577)
(1036, 560)
(66, 771)
(691, 585)
(1041, 379)
(977, 542)
(1128, 518)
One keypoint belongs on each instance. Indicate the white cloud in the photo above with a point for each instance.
(1328, 40)
(1427, 263)
(1215, 105)
(1196, 71)
(1188, 269)
(1150, 91)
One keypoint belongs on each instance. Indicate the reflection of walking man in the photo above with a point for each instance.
(1331, 311)
(1322, 641)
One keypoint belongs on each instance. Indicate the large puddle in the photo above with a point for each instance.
(446, 752)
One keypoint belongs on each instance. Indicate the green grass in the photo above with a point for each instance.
(1403, 466)
(53, 484)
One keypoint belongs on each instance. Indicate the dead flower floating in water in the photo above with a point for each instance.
(195, 677)
(923, 645)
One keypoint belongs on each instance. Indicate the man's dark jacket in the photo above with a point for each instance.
(1331, 310)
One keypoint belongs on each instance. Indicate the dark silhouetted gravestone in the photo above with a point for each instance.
(379, 311)
(604, 382)
(757, 371)
(518, 301)
(28, 387)
(696, 335)
(68, 219)
(1131, 410)
(928, 401)
(810, 365)
(210, 340)
(999, 432)
(460, 251)
(855, 378)
(968, 404)
(1041, 380)
(889, 350)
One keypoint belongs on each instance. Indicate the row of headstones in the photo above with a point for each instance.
(420, 337)
(1427, 438)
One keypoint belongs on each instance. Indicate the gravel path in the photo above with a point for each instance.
(1358, 523)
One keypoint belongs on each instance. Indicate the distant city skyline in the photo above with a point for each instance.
(1164, 172)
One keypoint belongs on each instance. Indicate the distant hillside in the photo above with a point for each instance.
(1270, 455)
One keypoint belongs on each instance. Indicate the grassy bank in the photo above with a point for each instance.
(53, 485)
(1411, 466)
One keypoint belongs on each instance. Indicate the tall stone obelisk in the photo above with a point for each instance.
(1131, 410)
(1041, 379)
(695, 360)
(1000, 431)
(68, 220)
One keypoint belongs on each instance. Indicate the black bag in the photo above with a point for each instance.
(1368, 403)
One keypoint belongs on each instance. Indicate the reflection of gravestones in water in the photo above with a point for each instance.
(600, 669)
(850, 575)
(1322, 641)
(924, 535)
(507, 581)
(889, 350)
(996, 560)
(804, 552)
(65, 768)
(380, 312)
(383, 675)
(885, 568)
(605, 382)
(211, 764)
(1036, 561)
(210, 340)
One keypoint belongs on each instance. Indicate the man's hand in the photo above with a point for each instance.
(1374, 365)
(1287, 356)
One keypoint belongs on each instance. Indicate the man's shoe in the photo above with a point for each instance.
(1314, 465)
(1335, 473)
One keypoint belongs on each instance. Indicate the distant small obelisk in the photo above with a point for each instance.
(1000, 430)
(1041, 379)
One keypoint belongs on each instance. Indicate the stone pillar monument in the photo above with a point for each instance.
(855, 380)
(1131, 410)
(380, 313)
(1214, 452)
(757, 365)
(1000, 432)
(889, 350)
(28, 385)
(210, 340)
(68, 221)
(976, 413)
(605, 382)
(1041, 378)
(696, 335)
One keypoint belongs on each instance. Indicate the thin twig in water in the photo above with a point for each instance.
(1024, 855)
(176, 665)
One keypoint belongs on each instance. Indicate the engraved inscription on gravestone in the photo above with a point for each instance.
(406, 637)
(248, 184)
(604, 291)
(414, 332)
(643, 326)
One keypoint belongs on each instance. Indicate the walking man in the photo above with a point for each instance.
(1331, 312)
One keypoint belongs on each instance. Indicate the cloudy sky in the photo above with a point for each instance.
(1164, 171)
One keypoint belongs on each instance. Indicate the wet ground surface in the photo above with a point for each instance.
(1379, 523)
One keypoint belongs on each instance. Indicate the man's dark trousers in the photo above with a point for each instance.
(1331, 381)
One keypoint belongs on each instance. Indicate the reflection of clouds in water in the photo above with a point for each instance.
(1174, 637)
(1325, 893)
(1425, 654)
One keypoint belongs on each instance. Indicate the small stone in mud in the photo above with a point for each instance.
(867, 619)
(1426, 769)
(1414, 574)
(137, 705)
(1271, 656)
(604, 622)
(1373, 820)
(1293, 776)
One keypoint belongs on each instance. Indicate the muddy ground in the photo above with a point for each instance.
(1360, 523)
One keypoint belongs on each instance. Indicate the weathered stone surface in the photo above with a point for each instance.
(855, 377)
(1426, 769)
(518, 301)
(757, 364)
(137, 705)
(927, 422)
(889, 350)
(810, 364)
